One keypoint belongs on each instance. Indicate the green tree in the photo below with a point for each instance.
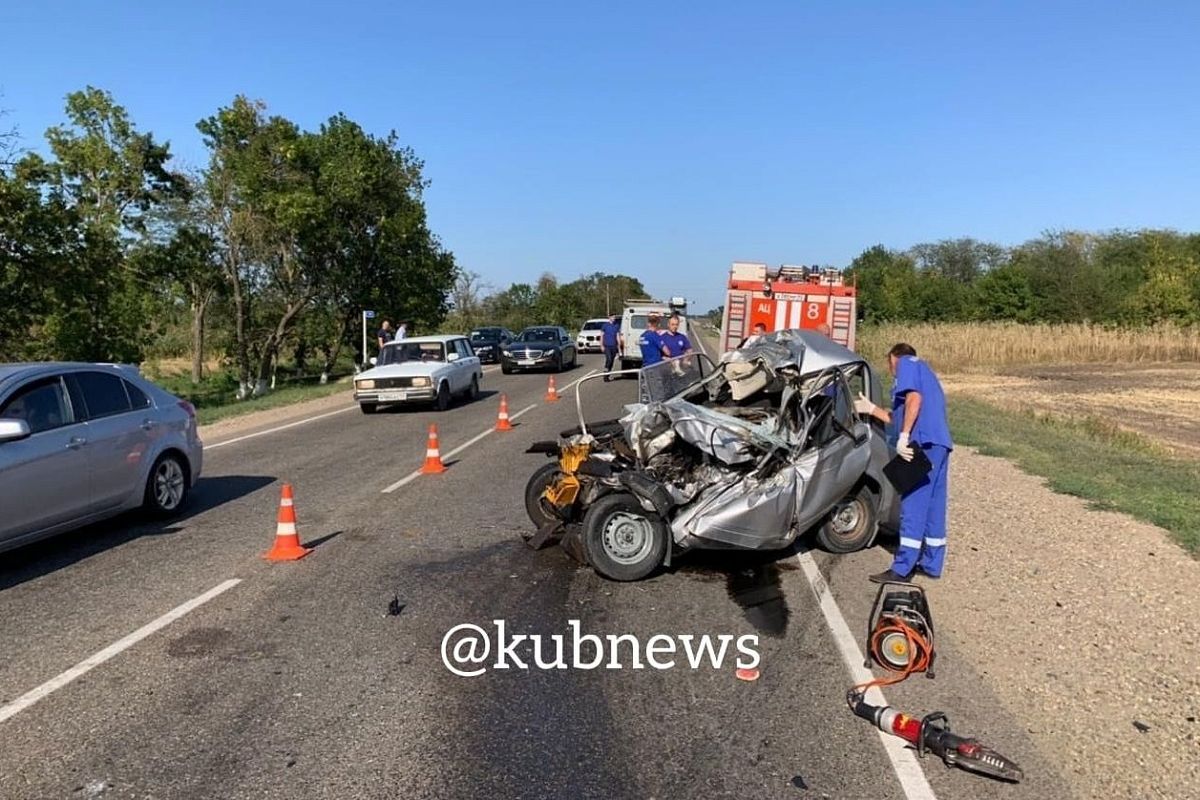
(109, 175)
(1004, 294)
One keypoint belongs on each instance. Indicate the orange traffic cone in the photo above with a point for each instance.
(551, 392)
(287, 541)
(433, 456)
(502, 423)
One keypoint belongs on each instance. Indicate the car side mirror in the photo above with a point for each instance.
(12, 430)
(452, 357)
(373, 360)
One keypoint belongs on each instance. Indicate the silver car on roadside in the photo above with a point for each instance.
(82, 442)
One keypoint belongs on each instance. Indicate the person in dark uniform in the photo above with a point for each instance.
(385, 334)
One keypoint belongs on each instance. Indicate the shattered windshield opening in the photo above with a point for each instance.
(679, 375)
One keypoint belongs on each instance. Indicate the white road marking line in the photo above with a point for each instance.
(304, 421)
(412, 476)
(96, 659)
(298, 422)
(904, 762)
(575, 382)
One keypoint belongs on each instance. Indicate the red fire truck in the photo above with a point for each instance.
(787, 297)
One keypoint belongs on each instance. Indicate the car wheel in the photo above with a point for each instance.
(851, 524)
(540, 510)
(574, 359)
(623, 541)
(167, 486)
(558, 362)
(368, 408)
(442, 401)
(473, 391)
(506, 369)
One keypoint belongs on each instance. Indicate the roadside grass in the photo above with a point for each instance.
(280, 397)
(215, 397)
(1092, 459)
(968, 346)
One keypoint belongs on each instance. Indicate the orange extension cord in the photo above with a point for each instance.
(920, 648)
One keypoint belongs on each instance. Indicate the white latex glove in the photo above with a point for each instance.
(863, 405)
(903, 448)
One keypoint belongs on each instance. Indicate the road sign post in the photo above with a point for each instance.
(366, 315)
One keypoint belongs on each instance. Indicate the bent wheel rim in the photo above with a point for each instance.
(168, 484)
(627, 538)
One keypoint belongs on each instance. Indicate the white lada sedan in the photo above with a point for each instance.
(424, 369)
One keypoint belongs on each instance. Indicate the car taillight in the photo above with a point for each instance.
(188, 409)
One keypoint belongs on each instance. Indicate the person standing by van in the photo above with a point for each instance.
(613, 343)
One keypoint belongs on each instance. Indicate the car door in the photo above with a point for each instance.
(842, 454)
(120, 437)
(469, 361)
(43, 477)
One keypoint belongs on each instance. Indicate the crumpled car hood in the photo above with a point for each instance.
(742, 478)
(652, 428)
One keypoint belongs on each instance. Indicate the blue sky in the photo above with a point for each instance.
(665, 140)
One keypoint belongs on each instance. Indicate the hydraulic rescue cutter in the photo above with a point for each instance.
(932, 734)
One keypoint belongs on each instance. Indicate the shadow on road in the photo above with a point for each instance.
(44, 557)
(752, 581)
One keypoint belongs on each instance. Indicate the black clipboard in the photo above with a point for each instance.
(907, 475)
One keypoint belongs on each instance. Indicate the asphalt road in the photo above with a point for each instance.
(302, 681)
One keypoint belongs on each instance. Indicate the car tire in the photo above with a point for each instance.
(852, 524)
(574, 359)
(167, 486)
(623, 541)
(473, 390)
(506, 369)
(535, 506)
(442, 401)
(368, 408)
(558, 362)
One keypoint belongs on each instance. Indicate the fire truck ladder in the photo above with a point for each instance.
(841, 321)
(735, 329)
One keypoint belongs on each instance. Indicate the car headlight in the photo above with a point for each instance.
(367, 384)
(420, 381)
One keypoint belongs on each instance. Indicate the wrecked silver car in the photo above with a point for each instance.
(749, 453)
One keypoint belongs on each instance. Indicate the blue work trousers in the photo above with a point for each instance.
(923, 519)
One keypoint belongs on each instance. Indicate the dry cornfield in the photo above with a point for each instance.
(974, 346)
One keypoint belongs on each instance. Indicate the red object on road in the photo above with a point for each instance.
(433, 456)
(551, 392)
(744, 674)
(287, 541)
(502, 423)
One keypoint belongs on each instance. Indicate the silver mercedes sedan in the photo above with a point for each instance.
(82, 442)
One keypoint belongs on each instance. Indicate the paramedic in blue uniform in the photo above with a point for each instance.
(613, 343)
(919, 412)
(650, 343)
(653, 384)
(674, 343)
